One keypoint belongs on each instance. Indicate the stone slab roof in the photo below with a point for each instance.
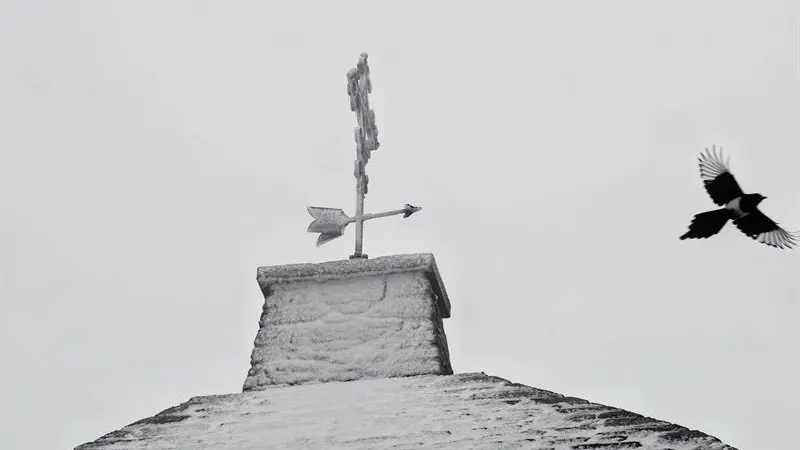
(464, 411)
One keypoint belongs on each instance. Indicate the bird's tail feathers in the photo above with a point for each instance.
(707, 224)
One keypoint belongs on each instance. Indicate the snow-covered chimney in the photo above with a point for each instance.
(347, 320)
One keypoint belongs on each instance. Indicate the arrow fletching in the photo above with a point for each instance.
(325, 237)
(329, 222)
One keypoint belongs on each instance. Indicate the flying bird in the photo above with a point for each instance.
(736, 205)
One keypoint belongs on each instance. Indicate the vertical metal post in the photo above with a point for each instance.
(359, 219)
(366, 136)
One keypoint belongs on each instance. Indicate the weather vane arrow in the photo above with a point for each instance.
(330, 223)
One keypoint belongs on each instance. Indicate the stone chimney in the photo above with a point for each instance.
(348, 320)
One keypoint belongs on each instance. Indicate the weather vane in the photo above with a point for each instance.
(331, 222)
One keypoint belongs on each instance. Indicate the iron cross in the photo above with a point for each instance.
(331, 222)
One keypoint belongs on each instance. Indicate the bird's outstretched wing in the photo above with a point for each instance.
(763, 229)
(717, 178)
(707, 224)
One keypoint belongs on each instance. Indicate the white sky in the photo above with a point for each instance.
(153, 154)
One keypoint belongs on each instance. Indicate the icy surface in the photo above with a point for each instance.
(469, 411)
(345, 321)
(319, 271)
(385, 265)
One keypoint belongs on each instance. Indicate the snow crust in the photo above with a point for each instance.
(385, 265)
(342, 321)
(469, 411)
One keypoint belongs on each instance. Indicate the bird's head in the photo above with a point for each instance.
(760, 198)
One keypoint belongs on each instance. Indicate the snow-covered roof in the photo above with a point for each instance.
(352, 355)
(465, 411)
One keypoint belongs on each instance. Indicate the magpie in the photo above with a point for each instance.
(736, 205)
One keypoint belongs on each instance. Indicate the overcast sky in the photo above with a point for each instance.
(154, 154)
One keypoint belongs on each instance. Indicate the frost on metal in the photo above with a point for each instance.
(330, 223)
(366, 135)
(347, 320)
(359, 86)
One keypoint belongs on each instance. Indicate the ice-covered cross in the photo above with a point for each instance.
(331, 222)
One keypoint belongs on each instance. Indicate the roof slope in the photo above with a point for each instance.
(458, 411)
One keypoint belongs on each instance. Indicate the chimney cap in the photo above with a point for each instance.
(269, 275)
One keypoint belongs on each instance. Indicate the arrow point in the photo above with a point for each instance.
(410, 209)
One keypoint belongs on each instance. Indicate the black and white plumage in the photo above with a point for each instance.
(737, 206)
